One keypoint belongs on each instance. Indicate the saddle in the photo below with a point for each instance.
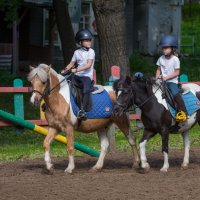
(76, 91)
(191, 102)
(101, 103)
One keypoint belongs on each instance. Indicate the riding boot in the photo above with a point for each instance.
(87, 103)
(181, 116)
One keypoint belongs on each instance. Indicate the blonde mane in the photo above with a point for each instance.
(42, 71)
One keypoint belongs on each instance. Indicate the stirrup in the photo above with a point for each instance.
(81, 115)
(181, 116)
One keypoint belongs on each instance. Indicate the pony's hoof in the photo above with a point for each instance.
(184, 167)
(95, 170)
(143, 170)
(164, 169)
(136, 166)
(48, 171)
(68, 171)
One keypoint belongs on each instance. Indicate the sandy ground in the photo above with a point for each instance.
(28, 180)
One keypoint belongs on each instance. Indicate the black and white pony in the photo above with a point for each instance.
(147, 93)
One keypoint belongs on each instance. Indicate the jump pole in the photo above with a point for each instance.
(43, 131)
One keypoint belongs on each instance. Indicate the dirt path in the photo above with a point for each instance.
(27, 180)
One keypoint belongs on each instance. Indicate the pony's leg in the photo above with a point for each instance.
(145, 137)
(46, 144)
(165, 140)
(187, 150)
(70, 148)
(124, 126)
(104, 149)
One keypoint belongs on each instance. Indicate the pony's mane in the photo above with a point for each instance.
(42, 72)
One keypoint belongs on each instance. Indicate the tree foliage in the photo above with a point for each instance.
(10, 9)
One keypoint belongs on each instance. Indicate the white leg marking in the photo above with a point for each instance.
(47, 160)
(166, 163)
(143, 158)
(104, 149)
(187, 149)
(71, 164)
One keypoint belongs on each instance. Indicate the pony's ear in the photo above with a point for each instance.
(31, 68)
(128, 80)
(47, 69)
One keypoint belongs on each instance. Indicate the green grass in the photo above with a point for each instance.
(28, 145)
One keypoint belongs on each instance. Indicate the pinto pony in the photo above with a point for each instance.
(54, 89)
(146, 93)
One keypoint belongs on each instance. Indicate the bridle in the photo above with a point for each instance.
(125, 105)
(47, 91)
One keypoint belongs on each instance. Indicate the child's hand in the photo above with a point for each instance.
(74, 70)
(64, 71)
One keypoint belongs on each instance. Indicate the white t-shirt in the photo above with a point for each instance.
(168, 66)
(81, 56)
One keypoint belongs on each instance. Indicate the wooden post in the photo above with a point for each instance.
(18, 100)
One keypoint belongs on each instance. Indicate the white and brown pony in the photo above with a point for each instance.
(54, 89)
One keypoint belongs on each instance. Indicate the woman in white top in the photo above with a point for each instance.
(169, 69)
(83, 58)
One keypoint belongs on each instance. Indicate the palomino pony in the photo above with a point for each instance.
(146, 93)
(54, 89)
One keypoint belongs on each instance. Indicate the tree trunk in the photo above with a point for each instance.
(65, 29)
(110, 20)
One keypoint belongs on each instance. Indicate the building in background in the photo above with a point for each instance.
(146, 21)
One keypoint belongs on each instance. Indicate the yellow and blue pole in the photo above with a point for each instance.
(43, 131)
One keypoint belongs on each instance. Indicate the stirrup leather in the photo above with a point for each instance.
(181, 116)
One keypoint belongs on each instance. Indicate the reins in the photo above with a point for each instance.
(146, 100)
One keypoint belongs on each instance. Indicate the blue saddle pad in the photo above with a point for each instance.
(192, 104)
(101, 106)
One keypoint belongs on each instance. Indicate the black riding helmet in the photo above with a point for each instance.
(83, 34)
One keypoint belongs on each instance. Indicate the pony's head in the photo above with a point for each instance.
(124, 95)
(39, 79)
(130, 91)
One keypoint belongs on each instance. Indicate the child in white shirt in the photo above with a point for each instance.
(83, 58)
(169, 69)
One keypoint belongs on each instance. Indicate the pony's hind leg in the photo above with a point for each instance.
(46, 144)
(104, 149)
(186, 141)
(124, 125)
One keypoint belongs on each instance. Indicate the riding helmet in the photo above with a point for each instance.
(83, 34)
(169, 41)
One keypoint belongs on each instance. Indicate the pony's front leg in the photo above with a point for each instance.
(70, 148)
(165, 140)
(145, 137)
(104, 149)
(187, 150)
(46, 144)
